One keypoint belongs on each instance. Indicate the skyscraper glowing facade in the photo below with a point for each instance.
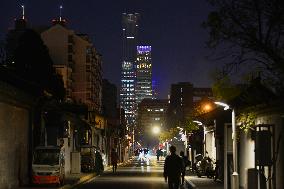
(128, 70)
(143, 88)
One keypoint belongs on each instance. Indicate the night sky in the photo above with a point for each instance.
(172, 28)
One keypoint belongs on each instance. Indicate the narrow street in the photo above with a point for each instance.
(132, 176)
(136, 175)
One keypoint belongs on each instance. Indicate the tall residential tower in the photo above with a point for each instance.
(143, 88)
(128, 72)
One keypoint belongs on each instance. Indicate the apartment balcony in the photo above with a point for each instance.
(71, 64)
(71, 39)
(71, 49)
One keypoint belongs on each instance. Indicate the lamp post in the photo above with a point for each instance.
(235, 175)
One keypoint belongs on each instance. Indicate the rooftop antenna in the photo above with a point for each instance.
(23, 12)
(60, 16)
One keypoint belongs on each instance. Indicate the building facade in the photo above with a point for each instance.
(143, 73)
(76, 59)
(109, 99)
(183, 97)
(151, 112)
(128, 72)
(60, 43)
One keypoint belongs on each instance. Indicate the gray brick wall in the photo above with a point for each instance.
(14, 124)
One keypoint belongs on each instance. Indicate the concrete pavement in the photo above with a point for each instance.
(191, 181)
(74, 180)
(194, 182)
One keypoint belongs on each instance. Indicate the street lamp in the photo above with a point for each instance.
(235, 175)
(198, 122)
(156, 130)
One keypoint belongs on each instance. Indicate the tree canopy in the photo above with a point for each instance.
(250, 31)
(188, 125)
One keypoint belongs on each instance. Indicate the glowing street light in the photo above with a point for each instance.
(207, 107)
(226, 106)
(235, 175)
(156, 130)
(198, 122)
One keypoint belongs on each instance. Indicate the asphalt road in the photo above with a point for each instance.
(132, 176)
(136, 175)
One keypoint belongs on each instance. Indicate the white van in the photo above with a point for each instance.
(48, 165)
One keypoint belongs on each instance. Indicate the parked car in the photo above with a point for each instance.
(87, 158)
(87, 163)
(48, 165)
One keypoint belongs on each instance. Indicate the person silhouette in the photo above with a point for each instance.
(184, 164)
(173, 169)
(114, 159)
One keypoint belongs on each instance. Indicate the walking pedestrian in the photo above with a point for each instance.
(99, 167)
(173, 169)
(114, 159)
(158, 154)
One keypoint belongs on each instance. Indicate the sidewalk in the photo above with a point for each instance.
(73, 180)
(194, 182)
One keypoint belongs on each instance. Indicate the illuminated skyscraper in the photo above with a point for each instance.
(128, 73)
(143, 74)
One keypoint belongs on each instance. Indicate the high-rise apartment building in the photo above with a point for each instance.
(76, 59)
(109, 100)
(182, 98)
(128, 72)
(143, 87)
(151, 113)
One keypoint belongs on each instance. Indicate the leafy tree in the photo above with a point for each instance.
(246, 120)
(250, 31)
(168, 134)
(223, 89)
(188, 125)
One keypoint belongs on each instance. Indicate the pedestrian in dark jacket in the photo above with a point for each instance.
(99, 167)
(184, 164)
(114, 159)
(173, 169)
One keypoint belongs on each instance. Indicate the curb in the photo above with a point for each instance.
(190, 185)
